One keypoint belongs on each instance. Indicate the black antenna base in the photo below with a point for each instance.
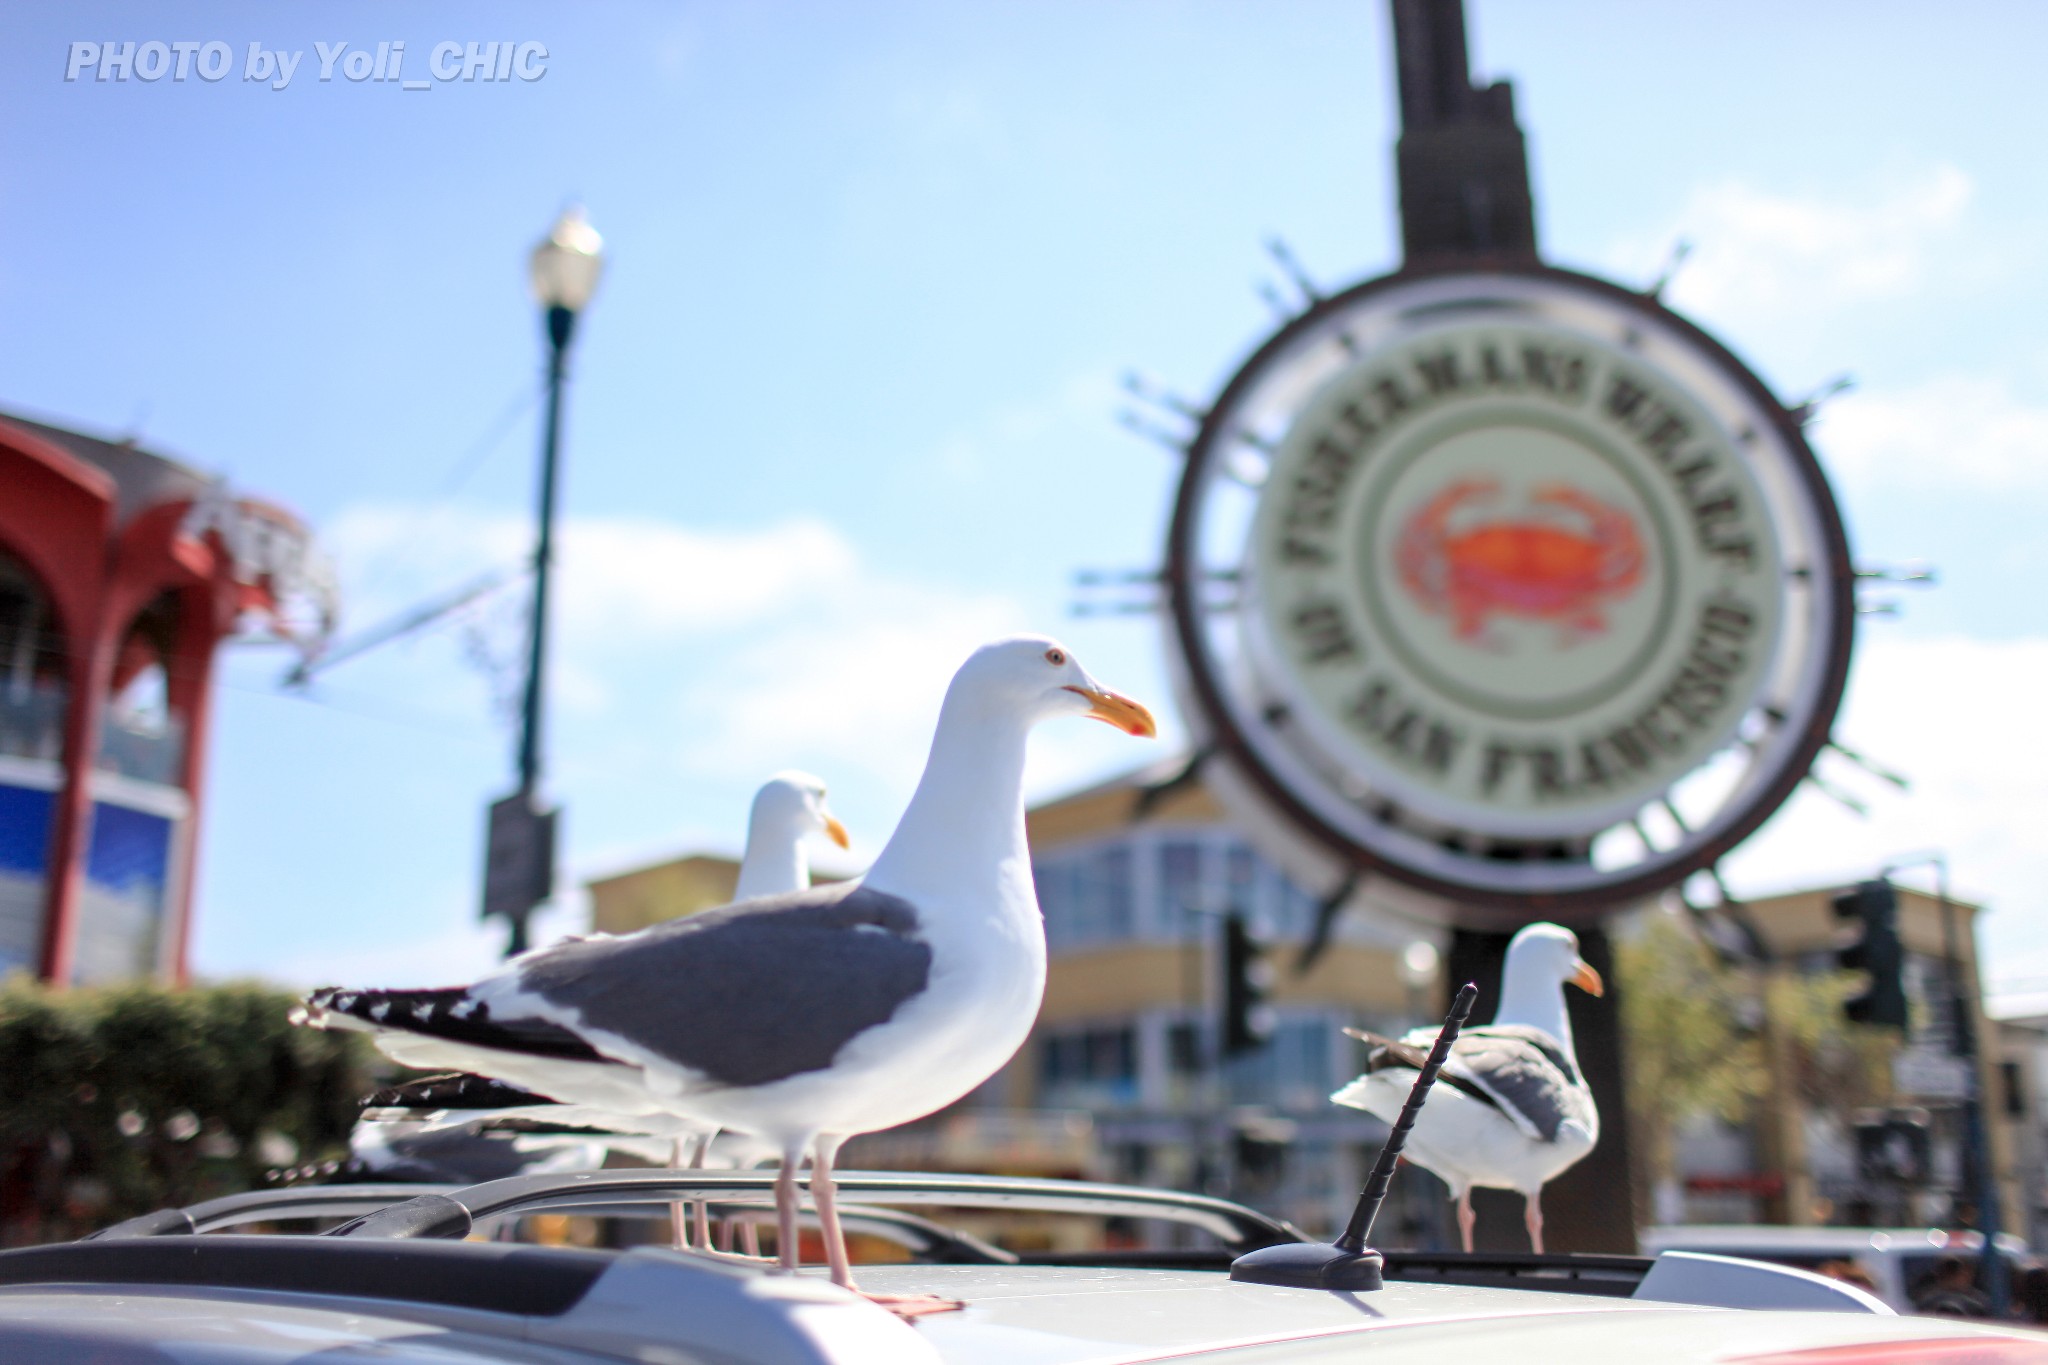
(1348, 1263)
(1310, 1265)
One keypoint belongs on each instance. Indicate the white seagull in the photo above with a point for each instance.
(810, 1017)
(1512, 1109)
(787, 811)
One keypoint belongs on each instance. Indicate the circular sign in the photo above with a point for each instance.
(1513, 586)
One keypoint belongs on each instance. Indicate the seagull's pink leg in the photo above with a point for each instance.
(785, 1207)
(679, 1209)
(1466, 1218)
(823, 1195)
(703, 1207)
(750, 1238)
(1532, 1218)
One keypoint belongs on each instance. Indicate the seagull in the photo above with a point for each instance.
(809, 1017)
(409, 1151)
(1514, 1110)
(788, 809)
(478, 1104)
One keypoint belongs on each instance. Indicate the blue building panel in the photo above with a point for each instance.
(121, 908)
(25, 817)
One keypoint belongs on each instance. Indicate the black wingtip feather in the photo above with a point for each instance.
(451, 1012)
(454, 1090)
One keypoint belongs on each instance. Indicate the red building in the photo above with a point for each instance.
(121, 574)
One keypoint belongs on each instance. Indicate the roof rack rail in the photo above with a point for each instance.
(504, 1278)
(267, 1206)
(446, 1213)
(645, 1304)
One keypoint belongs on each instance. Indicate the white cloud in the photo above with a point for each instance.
(619, 577)
(1761, 257)
(1949, 431)
(1962, 719)
(857, 681)
(687, 666)
(462, 951)
(1015, 431)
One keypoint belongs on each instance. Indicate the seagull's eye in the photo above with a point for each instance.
(1055, 657)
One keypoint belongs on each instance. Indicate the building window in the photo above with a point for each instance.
(1184, 1050)
(32, 668)
(143, 737)
(1055, 882)
(1085, 1067)
(1241, 877)
(1293, 1070)
(1295, 917)
(1086, 897)
(1180, 887)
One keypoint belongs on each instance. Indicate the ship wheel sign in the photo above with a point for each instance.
(1511, 586)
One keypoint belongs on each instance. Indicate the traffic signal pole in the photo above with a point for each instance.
(1976, 1135)
(1980, 1177)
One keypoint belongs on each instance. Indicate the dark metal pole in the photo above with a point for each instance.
(1980, 1175)
(1976, 1137)
(560, 323)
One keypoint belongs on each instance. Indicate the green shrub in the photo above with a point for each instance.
(115, 1102)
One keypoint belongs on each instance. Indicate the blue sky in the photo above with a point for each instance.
(845, 403)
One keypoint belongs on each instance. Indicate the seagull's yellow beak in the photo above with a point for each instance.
(1119, 710)
(836, 832)
(1588, 980)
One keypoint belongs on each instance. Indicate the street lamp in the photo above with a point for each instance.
(519, 871)
(1418, 969)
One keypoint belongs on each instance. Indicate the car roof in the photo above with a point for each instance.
(657, 1304)
(401, 1265)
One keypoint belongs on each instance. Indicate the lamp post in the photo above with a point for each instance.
(519, 867)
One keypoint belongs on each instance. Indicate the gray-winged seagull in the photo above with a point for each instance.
(809, 1017)
(787, 811)
(1513, 1110)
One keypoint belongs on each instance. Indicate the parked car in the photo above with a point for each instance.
(402, 1276)
(1897, 1260)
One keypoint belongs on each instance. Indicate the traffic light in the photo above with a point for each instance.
(1894, 1147)
(1247, 978)
(1874, 909)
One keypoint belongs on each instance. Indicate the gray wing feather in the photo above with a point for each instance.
(1528, 1074)
(749, 993)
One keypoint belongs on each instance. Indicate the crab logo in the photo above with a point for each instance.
(1567, 557)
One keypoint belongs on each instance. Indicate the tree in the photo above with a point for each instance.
(1689, 1050)
(1742, 1044)
(115, 1102)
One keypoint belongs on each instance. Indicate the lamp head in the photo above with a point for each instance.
(566, 265)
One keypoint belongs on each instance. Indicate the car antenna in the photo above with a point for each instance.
(1348, 1263)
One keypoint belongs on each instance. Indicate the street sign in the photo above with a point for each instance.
(1474, 573)
(1925, 1075)
(519, 860)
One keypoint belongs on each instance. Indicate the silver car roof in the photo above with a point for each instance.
(657, 1305)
